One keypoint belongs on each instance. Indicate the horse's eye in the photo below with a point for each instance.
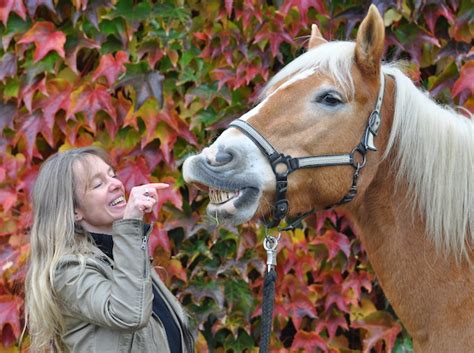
(329, 98)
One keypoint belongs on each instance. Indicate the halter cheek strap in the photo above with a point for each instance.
(283, 165)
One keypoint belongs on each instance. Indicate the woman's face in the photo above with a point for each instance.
(100, 195)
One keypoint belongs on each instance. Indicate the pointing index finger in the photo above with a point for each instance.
(159, 186)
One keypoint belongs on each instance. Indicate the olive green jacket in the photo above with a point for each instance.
(108, 304)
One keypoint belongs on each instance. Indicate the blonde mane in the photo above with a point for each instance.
(434, 151)
(433, 147)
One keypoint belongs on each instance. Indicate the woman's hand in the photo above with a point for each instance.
(142, 199)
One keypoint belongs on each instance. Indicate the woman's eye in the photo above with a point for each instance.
(329, 99)
(96, 185)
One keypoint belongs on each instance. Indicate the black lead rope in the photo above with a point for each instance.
(282, 166)
(270, 244)
(267, 309)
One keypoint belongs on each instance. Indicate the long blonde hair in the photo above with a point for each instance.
(53, 235)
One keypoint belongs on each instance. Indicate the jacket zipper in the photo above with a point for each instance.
(144, 242)
(144, 248)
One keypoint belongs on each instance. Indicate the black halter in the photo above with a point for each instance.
(283, 165)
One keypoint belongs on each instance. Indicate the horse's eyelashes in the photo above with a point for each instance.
(329, 98)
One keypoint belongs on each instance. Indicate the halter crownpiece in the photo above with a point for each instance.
(283, 165)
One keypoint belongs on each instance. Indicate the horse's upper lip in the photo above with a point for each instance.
(204, 178)
(229, 187)
(201, 186)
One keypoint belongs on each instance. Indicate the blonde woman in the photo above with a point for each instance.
(90, 287)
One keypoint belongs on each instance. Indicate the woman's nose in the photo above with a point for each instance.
(115, 183)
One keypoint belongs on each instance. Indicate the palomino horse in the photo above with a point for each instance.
(412, 166)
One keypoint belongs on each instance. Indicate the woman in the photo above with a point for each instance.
(90, 286)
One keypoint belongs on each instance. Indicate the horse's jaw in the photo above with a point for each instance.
(235, 187)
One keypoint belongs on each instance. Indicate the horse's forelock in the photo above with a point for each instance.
(333, 58)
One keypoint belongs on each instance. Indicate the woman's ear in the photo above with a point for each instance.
(78, 216)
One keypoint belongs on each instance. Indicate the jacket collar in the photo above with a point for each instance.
(105, 242)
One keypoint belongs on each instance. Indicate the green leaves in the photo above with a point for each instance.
(131, 12)
(146, 85)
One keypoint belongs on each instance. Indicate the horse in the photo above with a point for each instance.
(359, 136)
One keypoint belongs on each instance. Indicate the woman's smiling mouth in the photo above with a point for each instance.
(118, 201)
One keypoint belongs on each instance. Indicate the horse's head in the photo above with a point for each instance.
(318, 105)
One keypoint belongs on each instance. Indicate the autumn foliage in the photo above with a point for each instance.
(151, 82)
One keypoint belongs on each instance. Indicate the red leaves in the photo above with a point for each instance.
(299, 307)
(303, 6)
(31, 125)
(27, 92)
(111, 67)
(242, 77)
(379, 326)
(71, 53)
(134, 172)
(164, 125)
(90, 99)
(33, 5)
(432, 16)
(159, 238)
(6, 6)
(58, 97)
(7, 66)
(10, 316)
(8, 199)
(46, 38)
(465, 80)
(170, 194)
(308, 341)
(464, 86)
(274, 38)
(334, 243)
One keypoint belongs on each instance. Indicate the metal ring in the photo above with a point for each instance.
(271, 242)
(355, 163)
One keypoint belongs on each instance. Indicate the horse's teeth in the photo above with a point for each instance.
(217, 196)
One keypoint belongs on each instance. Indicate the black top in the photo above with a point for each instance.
(105, 243)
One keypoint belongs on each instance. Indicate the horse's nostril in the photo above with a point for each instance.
(217, 156)
(223, 157)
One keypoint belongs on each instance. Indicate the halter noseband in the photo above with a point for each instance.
(283, 165)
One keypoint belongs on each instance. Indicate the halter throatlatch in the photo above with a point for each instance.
(282, 166)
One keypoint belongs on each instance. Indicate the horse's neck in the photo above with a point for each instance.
(432, 295)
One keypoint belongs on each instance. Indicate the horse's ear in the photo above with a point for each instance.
(316, 37)
(370, 42)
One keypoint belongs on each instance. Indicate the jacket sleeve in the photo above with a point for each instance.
(123, 301)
